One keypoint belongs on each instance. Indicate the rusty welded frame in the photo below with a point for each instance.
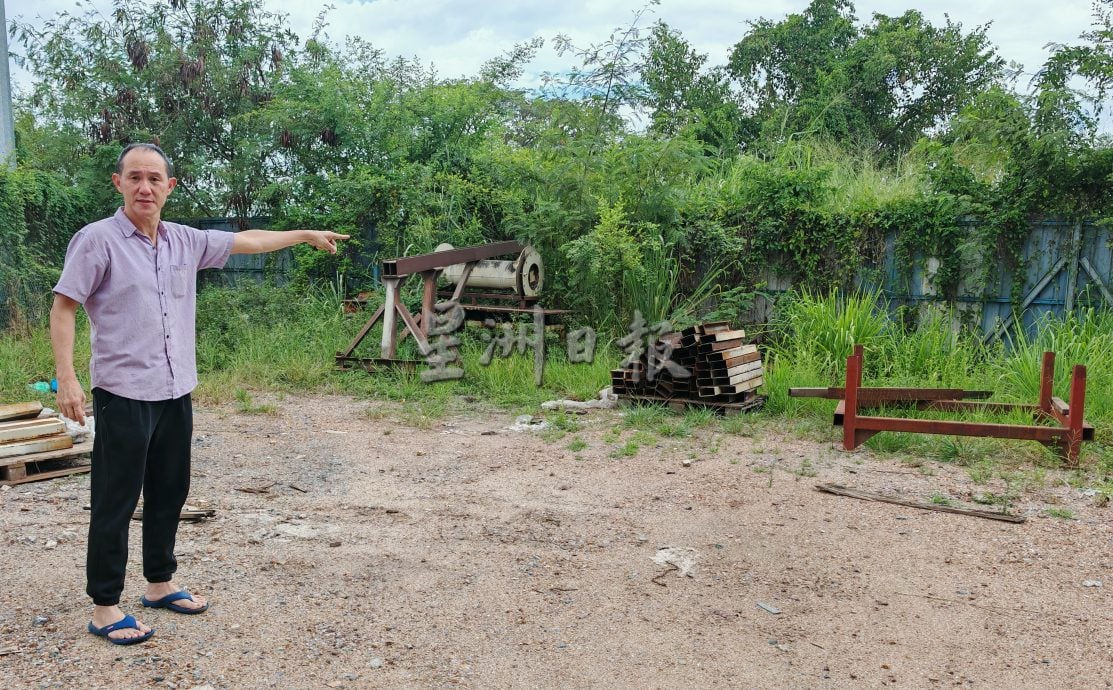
(1064, 430)
(395, 272)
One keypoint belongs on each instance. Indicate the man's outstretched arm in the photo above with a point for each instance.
(263, 241)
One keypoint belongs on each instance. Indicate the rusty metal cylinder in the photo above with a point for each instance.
(524, 275)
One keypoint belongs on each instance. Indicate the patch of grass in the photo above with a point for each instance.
(699, 418)
(552, 435)
(627, 450)
(564, 421)
(738, 425)
(577, 445)
(612, 435)
(1061, 513)
(991, 499)
(981, 472)
(670, 428)
(644, 416)
(423, 413)
(941, 500)
(245, 404)
(806, 469)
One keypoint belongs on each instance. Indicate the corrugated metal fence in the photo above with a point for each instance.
(1069, 265)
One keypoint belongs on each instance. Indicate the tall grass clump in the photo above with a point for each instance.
(266, 336)
(812, 335)
(824, 328)
(933, 353)
(1080, 338)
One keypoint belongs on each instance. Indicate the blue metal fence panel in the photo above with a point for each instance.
(1051, 248)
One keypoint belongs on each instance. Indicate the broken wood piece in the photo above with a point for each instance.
(25, 410)
(256, 489)
(840, 490)
(188, 513)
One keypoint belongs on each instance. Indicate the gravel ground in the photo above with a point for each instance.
(349, 550)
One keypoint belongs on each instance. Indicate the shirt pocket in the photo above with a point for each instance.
(180, 275)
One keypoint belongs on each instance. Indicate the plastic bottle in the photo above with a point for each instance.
(39, 386)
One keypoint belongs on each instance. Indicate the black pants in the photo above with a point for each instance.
(139, 446)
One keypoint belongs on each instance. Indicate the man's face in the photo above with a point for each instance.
(144, 184)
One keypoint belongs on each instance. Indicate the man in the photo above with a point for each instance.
(135, 275)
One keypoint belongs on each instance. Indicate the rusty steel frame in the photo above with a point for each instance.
(429, 267)
(1066, 437)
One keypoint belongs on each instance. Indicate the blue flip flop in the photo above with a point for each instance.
(167, 602)
(123, 624)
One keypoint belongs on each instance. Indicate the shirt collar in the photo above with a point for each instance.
(127, 228)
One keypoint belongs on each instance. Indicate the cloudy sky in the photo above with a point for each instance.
(457, 36)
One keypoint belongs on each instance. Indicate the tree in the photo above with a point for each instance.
(681, 94)
(180, 73)
(882, 85)
(1060, 104)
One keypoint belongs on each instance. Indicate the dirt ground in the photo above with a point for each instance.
(349, 550)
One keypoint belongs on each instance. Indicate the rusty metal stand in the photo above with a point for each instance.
(1066, 436)
(395, 273)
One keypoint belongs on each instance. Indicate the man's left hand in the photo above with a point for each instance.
(324, 239)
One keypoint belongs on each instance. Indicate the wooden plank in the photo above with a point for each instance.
(22, 431)
(26, 410)
(68, 452)
(712, 327)
(20, 423)
(1072, 267)
(41, 445)
(753, 402)
(839, 490)
(43, 476)
(188, 513)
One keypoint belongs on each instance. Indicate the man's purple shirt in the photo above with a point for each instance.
(141, 299)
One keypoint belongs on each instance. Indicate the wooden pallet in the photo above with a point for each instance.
(34, 467)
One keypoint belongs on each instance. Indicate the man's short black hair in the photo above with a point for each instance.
(149, 147)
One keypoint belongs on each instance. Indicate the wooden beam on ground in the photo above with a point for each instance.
(26, 410)
(839, 490)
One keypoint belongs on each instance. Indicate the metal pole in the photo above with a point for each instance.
(7, 123)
